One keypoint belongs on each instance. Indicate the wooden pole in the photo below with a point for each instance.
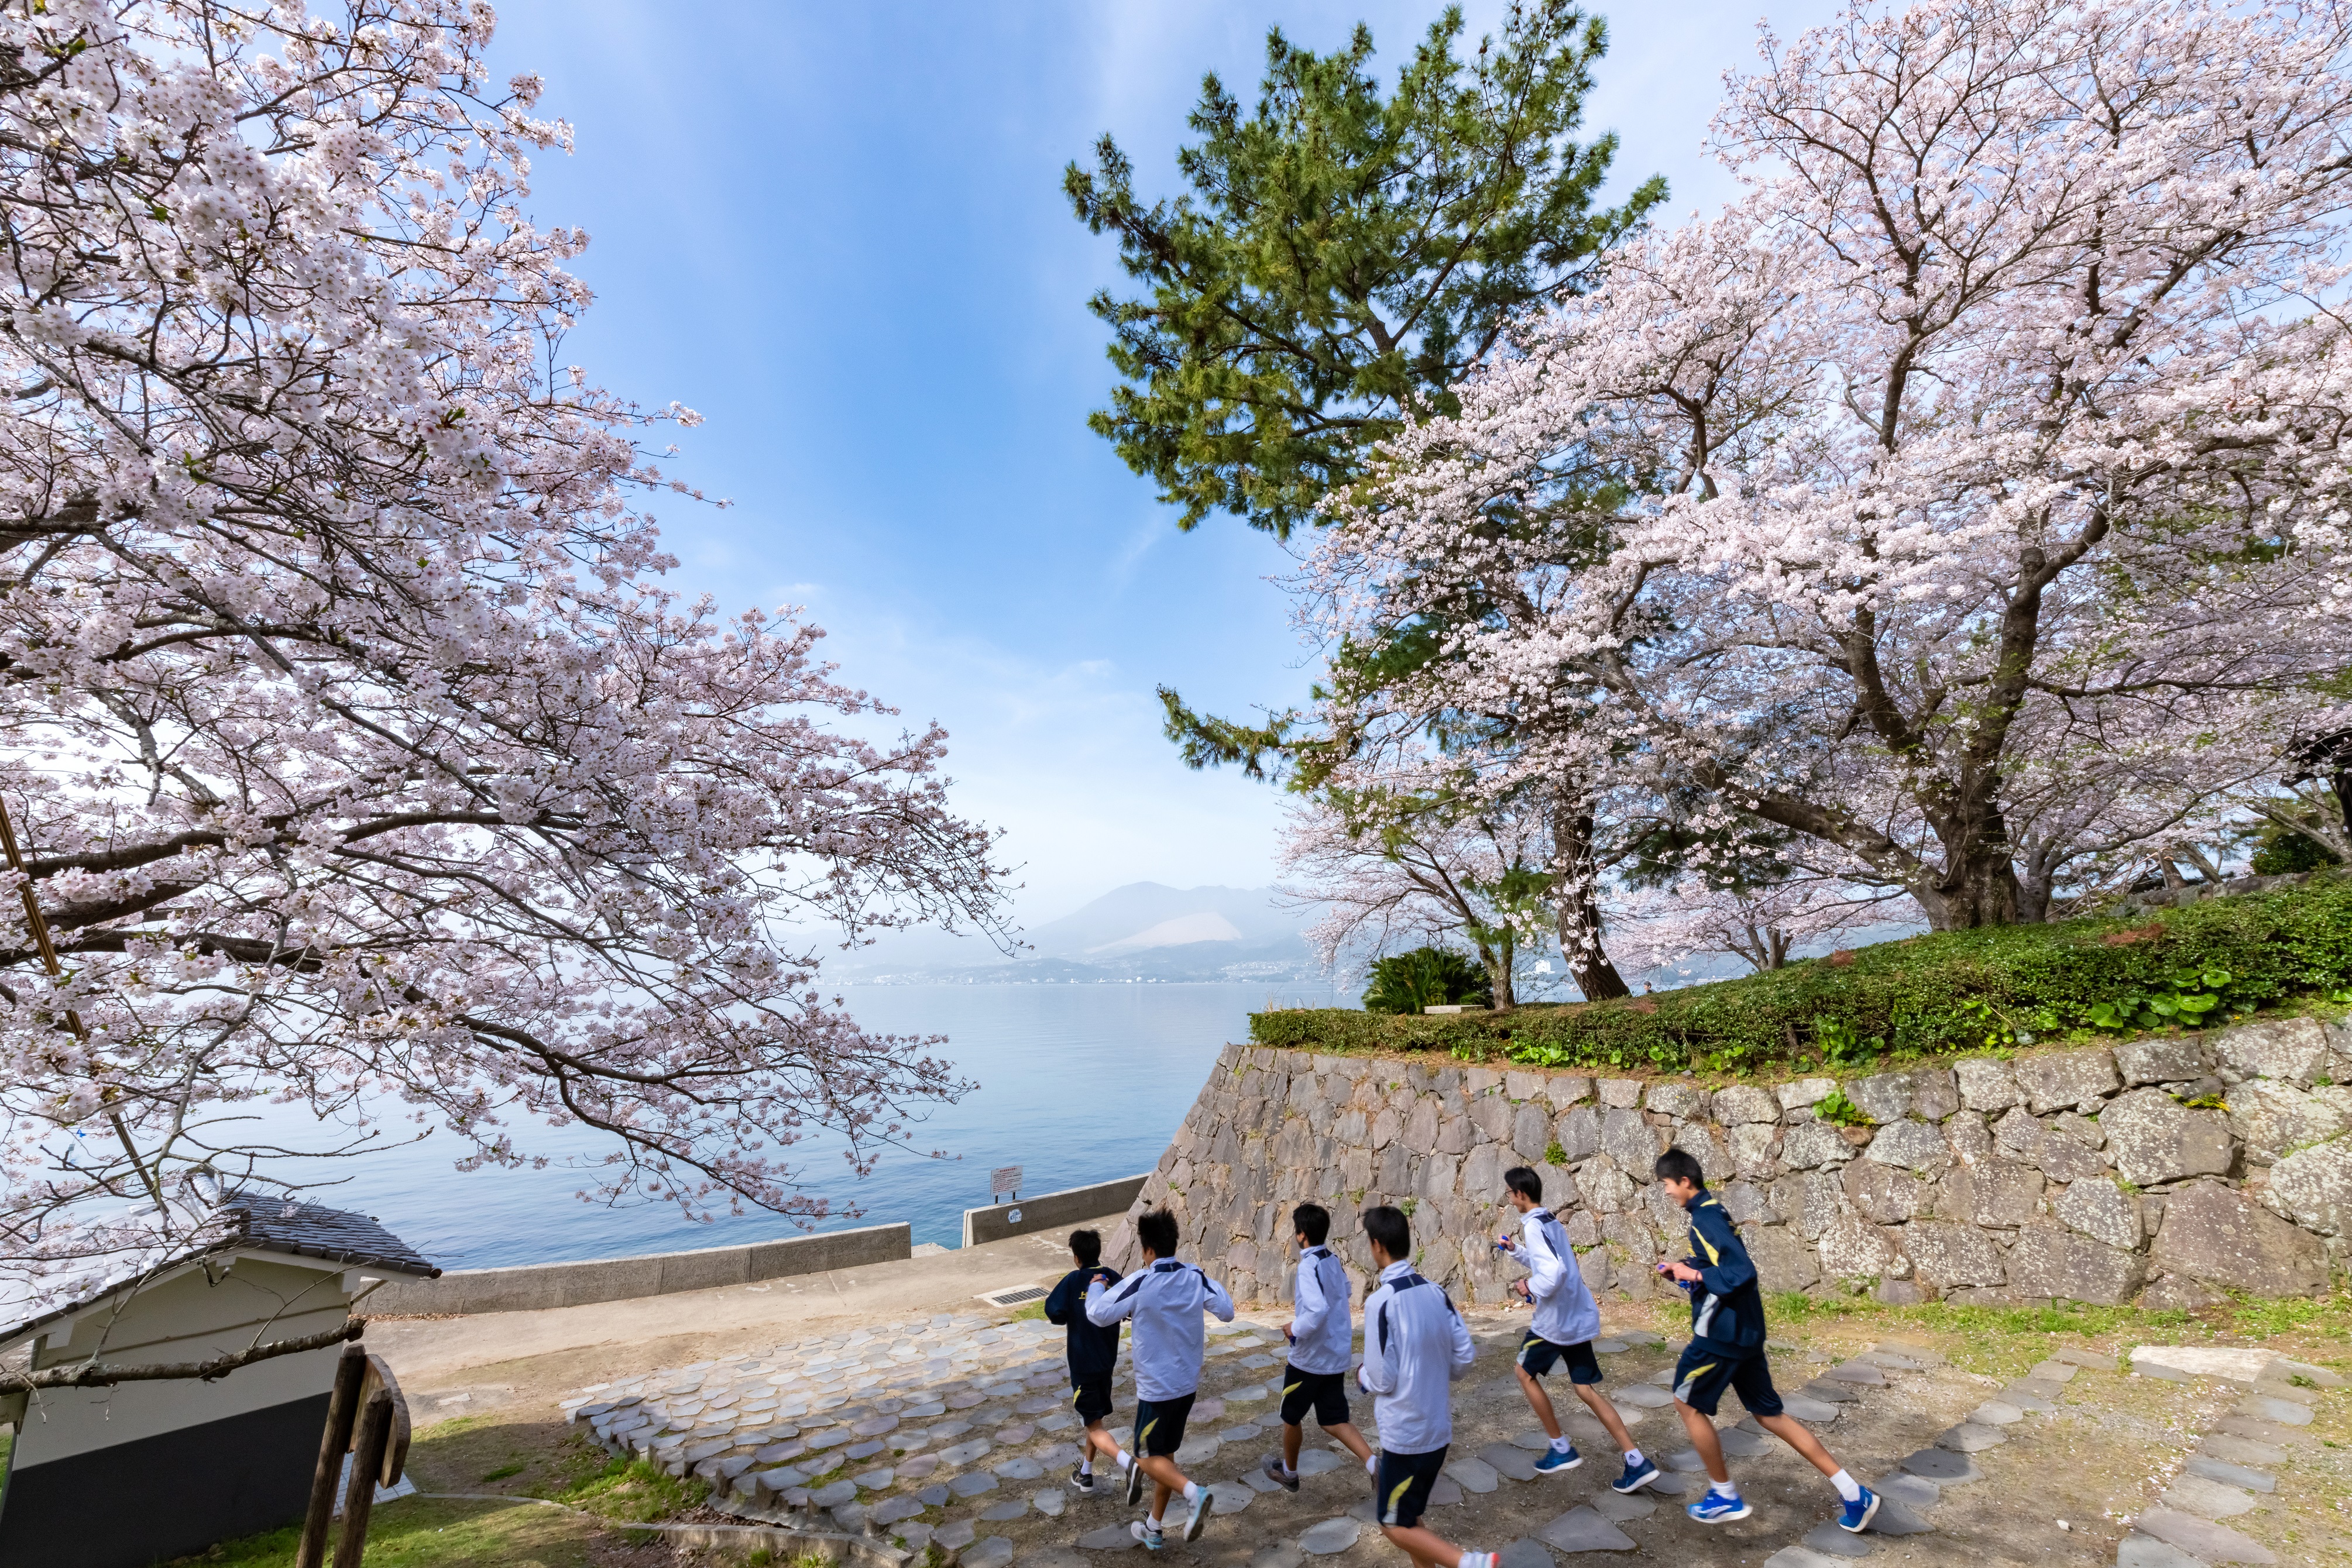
(49, 951)
(367, 1458)
(342, 1410)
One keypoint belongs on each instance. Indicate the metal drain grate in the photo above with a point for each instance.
(1015, 1295)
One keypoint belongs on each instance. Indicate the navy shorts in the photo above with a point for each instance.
(1538, 1356)
(1325, 1392)
(1401, 1489)
(1159, 1426)
(1704, 1371)
(1090, 1397)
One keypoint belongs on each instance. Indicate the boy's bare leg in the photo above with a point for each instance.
(1291, 1438)
(1606, 1414)
(1423, 1546)
(1793, 1432)
(1166, 1478)
(1710, 1447)
(1354, 1441)
(1539, 1401)
(1098, 1439)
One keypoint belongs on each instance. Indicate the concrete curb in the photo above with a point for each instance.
(998, 1222)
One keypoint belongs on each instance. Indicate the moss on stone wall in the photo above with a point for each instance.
(2276, 949)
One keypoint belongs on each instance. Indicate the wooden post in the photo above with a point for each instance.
(343, 1411)
(367, 1460)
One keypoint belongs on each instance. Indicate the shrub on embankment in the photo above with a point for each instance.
(2207, 962)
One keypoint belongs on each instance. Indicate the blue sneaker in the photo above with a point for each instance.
(1636, 1478)
(1859, 1512)
(1716, 1508)
(1142, 1530)
(1554, 1463)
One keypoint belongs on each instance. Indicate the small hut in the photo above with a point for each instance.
(122, 1476)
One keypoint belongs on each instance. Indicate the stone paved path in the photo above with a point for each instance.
(953, 1432)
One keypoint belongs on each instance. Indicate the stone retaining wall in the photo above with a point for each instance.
(2092, 1174)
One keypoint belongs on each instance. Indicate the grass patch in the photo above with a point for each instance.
(2289, 948)
(424, 1533)
(503, 1471)
(1034, 1312)
(636, 1491)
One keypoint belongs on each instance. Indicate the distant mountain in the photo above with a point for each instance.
(1142, 931)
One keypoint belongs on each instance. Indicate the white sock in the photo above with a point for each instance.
(1192, 1490)
(1561, 1445)
(1848, 1488)
(1634, 1458)
(1126, 1460)
(1478, 1560)
(1372, 1465)
(1086, 1465)
(1154, 1523)
(1726, 1488)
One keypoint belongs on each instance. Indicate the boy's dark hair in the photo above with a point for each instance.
(1156, 1230)
(1086, 1248)
(1387, 1226)
(1676, 1165)
(1521, 1179)
(1312, 1221)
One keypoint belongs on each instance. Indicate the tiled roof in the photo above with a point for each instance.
(273, 1224)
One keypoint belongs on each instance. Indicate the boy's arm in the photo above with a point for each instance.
(1378, 1374)
(1309, 1306)
(1461, 1352)
(1220, 1304)
(1544, 1270)
(1107, 1305)
(1058, 1304)
(1726, 1267)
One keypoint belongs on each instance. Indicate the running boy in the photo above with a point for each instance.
(1416, 1348)
(1566, 1320)
(1321, 1346)
(1093, 1352)
(1727, 1351)
(1165, 1299)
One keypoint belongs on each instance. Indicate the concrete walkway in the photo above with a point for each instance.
(492, 1359)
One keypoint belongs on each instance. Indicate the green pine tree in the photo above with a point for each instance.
(1342, 256)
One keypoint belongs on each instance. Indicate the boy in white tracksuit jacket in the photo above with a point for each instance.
(1566, 1321)
(1415, 1347)
(1164, 1299)
(1322, 1345)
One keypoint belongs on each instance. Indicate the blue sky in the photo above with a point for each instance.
(838, 233)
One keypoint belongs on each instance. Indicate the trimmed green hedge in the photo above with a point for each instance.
(1942, 992)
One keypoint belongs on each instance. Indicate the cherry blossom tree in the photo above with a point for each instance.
(360, 763)
(1971, 489)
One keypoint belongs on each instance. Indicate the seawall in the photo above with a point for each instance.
(2159, 1170)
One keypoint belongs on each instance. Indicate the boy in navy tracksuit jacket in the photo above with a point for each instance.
(1093, 1351)
(1727, 1351)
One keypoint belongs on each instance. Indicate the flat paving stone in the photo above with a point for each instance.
(875, 1425)
(890, 1511)
(1109, 1538)
(1670, 1484)
(1688, 1461)
(1196, 1451)
(1643, 1396)
(1943, 1467)
(2138, 1551)
(1060, 1421)
(1617, 1509)
(1806, 1409)
(1282, 1555)
(1010, 1507)
(1230, 1497)
(835, 1494)
(1051, 1503)
(1823, 1388)
(972, 1483)
(2048, 1390)
(1801, 1557)
(1259, 1481)
(961, 1402)
(1445, 1492)
(993, 1552)
(918, 1467)
(2053, 1371)
(1258, 1363)
(1316, 1461)
(1893, 1518)
(1248, 1393)
(2230, 1475)
(1019, 1468)
(1475, 1474)
(1036, 1405)
(964, 1453)
(1330, 1537)
(2257, 1431)
(1862, 1374)
(1533, 1442)
(1739, 1445)
(1583, 1530)
(2209, 1498)
(2202, 1539)
(1051, 1557)
(935, 1496)
(1894, 1361)
(1241, 1433)
(1508, 1461)
(1638, 1337)
(1835, 1542)
(1996, 1413)
(1524, 1552)
(2285, 1412)
(1610, 1346)
(1969, 1438)
(2092, 1359)
(876, 1480)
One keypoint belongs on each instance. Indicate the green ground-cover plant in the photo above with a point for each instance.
(1422, 978)
(1937, 994)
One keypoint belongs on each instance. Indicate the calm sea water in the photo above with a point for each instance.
(1077, 1084)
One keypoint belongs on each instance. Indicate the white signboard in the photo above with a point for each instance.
(1004, 1182)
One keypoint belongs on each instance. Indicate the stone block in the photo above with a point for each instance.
(1783, 1262)
(2080, 1078)
(1883, 1096)
(2154, 1139)
(1578, 1133)
(2272, 1117)
(1680, 1101)
(1985, 1085)
(1631, 1142)
(1525, 1085)
(1948, 1255)
(1914, 1146)
(1620, 1094)
(1804, 1091)
(1993, 1194)
(2296, 1050)
(2101, 1210)
(2173, 1060)
(1884, 1193)
(2050, 1261)
(1531, 1129)
(1751, 1144)
(1745, 1104)
(2314, 1189)
(1813, 1145)
(1852, 1248)
(1604, 1188)
(1567, 1088)
(2216, 1234)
